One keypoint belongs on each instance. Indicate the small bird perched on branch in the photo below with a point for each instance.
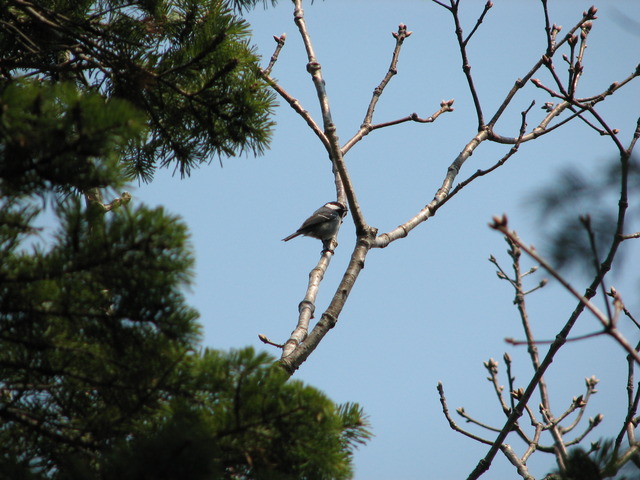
(322, 224)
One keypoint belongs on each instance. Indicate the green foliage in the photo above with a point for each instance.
(52, 136)
(185, 64)
(246, 421)
(91, 328)
(603, 460)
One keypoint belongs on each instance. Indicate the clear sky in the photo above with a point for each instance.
(430, 307)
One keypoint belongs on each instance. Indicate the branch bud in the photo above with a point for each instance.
(446, 105)
(579, 401)
(402, 32)
(592, 381)
(518, 393)
(499, 222)
(491, 365)
(585, 220)
(591, 13)
(313, 67)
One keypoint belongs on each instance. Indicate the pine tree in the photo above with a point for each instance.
(101, 374)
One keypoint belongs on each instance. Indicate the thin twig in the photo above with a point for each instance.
(466, 67)
(274, 58)
(487, 7)
(297, 107)
(400, 37)
(452, 424)
(585, 220)
(445, 106)
(460, 411)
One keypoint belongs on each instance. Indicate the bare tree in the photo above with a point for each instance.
(561, 108)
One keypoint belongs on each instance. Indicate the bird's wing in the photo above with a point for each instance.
(319, 216)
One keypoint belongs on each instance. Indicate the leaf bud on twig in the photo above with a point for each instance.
(591, 13)
(499, 222)
(597, 420)
(518, 393)
(579, 401)
(491, 365)
(591, 382)
(446, 105)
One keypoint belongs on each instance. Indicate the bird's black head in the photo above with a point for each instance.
(338, 207)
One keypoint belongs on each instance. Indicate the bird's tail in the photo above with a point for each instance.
(293, 235)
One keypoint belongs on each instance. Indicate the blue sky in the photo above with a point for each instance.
(430, 307)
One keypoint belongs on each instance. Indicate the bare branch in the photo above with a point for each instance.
(520, 465)
(487, 7)
(393, 70)
(501, 226)
(445, 106)
(264, 339)
(274, 58)
(466, 67)
(452, 424)
(492, 367)
(307, 306)
(460, 411)
(297, 107)
(585, 220)
(330, 316)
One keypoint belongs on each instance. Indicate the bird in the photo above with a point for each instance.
(323, 224)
